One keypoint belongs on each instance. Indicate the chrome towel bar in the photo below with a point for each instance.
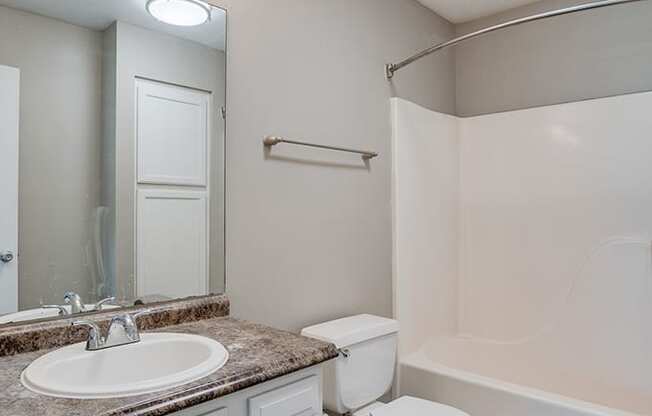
(274, 140)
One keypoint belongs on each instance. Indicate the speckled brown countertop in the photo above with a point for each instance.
(256, 354)
(21, 337)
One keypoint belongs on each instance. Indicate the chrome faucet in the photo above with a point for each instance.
(123, 330)
(75, 302)
(78, 306)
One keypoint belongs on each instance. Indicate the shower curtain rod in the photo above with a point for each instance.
(390, 69)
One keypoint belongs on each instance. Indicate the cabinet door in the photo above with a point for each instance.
(172, 134)
(172, 243)
(301, 398)
(219, 412)
(222, 411)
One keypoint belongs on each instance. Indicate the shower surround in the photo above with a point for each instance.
(522, 257)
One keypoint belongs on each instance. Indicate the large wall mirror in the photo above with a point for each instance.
(112, 128)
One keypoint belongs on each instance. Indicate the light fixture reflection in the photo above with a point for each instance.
(180, 12)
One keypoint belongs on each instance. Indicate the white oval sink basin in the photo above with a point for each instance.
(159, 361)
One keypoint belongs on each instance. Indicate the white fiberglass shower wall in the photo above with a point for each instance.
(522, 267)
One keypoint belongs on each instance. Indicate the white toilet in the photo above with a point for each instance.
(365, 369)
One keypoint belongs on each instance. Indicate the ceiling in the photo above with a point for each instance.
(100, 14)
(461, 11)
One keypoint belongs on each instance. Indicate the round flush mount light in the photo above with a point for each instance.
(180, 12)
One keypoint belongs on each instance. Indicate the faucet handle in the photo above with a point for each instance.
(129, 320)
(95, 339)
(98, 305)
(62, 309)
(144, 312)
(123, 328)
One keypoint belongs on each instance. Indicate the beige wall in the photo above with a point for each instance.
(147, 54)
(60, 130)
(586, 55)
(309, 231)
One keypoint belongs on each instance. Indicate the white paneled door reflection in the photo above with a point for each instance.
(172, 243)
(172, 125)
(9, 117)
(172, 134)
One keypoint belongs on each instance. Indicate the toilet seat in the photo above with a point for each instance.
(412, 406)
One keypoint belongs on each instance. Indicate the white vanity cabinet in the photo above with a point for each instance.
(296, 394)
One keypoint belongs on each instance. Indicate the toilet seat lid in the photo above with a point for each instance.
(412, 406)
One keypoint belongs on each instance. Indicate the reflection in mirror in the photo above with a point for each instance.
(112, 126)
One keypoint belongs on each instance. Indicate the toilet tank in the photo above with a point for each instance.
(364, 371)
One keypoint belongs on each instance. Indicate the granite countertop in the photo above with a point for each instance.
(256, 354)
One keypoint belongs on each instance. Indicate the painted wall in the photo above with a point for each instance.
(147, 54)
(309, 231)
(60, 144)
(587, 55)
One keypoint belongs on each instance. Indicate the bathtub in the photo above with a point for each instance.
(486, 379)
(522, 282)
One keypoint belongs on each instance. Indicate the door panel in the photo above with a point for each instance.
(9, 118)
(172, 243)
(172, 134)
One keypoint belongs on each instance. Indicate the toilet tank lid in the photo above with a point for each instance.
(352, 330)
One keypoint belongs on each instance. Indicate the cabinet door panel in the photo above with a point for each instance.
(222, 411)
(297, 399)
(219, 412)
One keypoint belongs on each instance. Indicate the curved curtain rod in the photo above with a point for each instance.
(390, 69)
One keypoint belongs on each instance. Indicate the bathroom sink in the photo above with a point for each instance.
(159, 361)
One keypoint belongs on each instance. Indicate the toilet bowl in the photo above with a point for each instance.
(364, 371)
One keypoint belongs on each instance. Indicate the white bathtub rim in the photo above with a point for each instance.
(420, 361)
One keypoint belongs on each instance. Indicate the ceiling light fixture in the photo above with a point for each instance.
(180, 12)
